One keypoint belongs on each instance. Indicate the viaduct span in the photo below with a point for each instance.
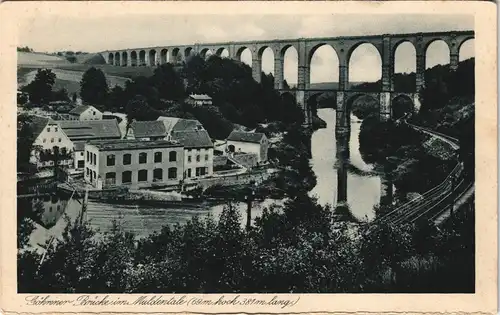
(344, 46)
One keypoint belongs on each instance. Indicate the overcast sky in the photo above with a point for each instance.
(93, 33)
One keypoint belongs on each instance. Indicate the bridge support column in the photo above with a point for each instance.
(420, 71)
(454, 61)
(342, 122)
(387, 72)
(385, 106)
(343, 77)
(416, 103)
(129, 59)
(257, 69)
(278, 72)
(342, 144)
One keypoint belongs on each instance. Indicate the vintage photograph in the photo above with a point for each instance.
(184, 153)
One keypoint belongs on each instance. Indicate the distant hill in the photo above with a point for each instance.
(330, 85)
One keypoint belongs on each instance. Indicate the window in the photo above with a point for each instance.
(172, 173)
(127, 159)
(88, 171)
(197, 158)
(55, 129)
(95, 158)
(111, 178)
(88, 156)
(81, 153)
(48, 129)
(95, 177)
(81, 164)
(110, 160)
(50, 209)
(200, 171)
(59, 140)
(58, 207)
(44, 140)
(93, 113)
(126, 177)
(157, 157)
(143, 157)
(189, 158)
(172, 156)
(51, 140)
(143, 175)
(157, 175)
(189, 172)
(206, 157)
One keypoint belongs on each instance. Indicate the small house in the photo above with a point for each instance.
(199, 100)
(248, 142)
(85, 112)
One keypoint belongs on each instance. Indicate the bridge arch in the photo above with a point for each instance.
(152, 57)
(371, 105)
(188, 52)
(364, 62)
(142, 58)
(222, 52)
(124, 59)
(176, 56)
(404, 61)
(265, 55)
(133, 58)
(323, 62)
(164, 56)
(244, 54)
(111, 58)
(205, 53)
(117, 59)
(401, 104)
(466, 49)
(437, 52)
(290, 56)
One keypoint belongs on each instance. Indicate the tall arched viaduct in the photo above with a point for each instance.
(385, 44)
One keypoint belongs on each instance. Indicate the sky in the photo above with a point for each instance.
(94, 33)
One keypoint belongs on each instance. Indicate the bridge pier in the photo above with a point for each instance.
(342, 155)
(385, 106)
(342, 122)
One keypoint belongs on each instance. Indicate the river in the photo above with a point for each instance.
(361, 191)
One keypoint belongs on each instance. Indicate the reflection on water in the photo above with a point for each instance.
(341, 171)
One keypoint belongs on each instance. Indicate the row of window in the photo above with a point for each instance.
(198, 158)
(143, 158)
(51, 140)
(142, 176)
(200, 171)
(55, 129)
(91, 158)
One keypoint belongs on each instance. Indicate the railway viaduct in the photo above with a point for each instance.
(343, 46)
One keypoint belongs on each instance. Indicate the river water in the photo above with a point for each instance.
(348, 171)
(362, 189)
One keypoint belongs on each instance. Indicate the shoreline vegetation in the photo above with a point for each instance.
(297, 247)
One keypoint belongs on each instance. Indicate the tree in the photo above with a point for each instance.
(94, 87)
(40, 89)
(168, 83)
(138, 109)
(25, 139)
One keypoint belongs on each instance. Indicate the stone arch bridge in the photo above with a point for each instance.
(385, 44)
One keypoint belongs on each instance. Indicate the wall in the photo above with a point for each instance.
(247, 160)
(49, 133)
(246, 147)
(193, 164)
(90, 168)
(134, 167)
(89, 114)
(220, 160)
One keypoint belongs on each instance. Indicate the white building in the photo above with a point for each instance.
(85, 112)
(48, 134)
(248, 142)
(199, 99)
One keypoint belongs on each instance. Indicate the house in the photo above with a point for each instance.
(85, 112)
(133, 163)
(48, 134)
(198, 152)
(79, 132)
(199, 100)
(248, 142)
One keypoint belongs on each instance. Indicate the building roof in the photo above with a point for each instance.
(79, 145)
(115, 145)
(38, 123)
(242, 136)
(90, 129)
(179, 124)
(80, 109)
(144, 129)
(193, 139)
(200, 97)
